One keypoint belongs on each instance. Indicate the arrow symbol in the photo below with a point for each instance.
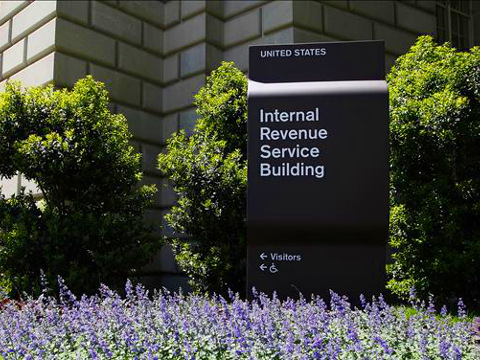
(263, 267)
(263, 256)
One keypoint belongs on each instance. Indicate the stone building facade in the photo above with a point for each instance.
(154, 55)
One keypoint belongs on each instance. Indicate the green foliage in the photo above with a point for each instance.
(435, 172)
(222, 107)
(88, 228)
(209, 172)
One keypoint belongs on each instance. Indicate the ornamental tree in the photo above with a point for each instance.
(435, 172)
(88, 227)
(208, 170)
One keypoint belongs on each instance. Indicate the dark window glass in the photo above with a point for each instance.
(454, 23)
(441, 36)
(441, 24)
(465, 27)
(455, 4)
(441, 17)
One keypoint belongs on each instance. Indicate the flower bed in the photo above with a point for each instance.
(175, 326)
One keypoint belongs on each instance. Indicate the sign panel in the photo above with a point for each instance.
(318, 168)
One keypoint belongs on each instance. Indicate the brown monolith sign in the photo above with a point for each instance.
(318, 168)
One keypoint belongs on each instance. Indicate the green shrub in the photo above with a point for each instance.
(209, 172)
(435, 172)
(88, 228)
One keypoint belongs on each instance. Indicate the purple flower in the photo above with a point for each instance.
(462, 310)
(173, 325)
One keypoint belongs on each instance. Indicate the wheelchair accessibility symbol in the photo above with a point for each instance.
(273, 269)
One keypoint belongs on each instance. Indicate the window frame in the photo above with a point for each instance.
(448, 12)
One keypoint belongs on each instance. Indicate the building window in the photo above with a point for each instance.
(454, 23)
